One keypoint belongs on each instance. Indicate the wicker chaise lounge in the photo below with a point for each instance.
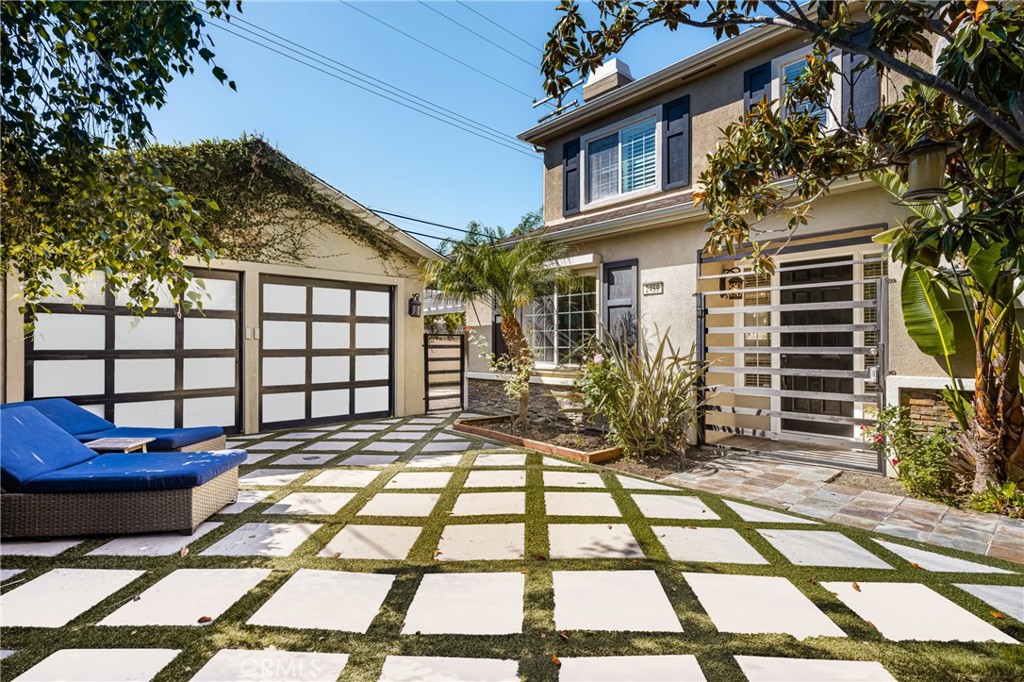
(52, 485)
(86, 426)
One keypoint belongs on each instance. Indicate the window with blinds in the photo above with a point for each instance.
(792, 71)
(755, 339)
(876, 271)
(624, 161)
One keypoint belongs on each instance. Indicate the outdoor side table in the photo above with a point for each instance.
(119, 444)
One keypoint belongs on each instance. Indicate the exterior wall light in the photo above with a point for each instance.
(733, 286)
(926, 172)
(415, 306)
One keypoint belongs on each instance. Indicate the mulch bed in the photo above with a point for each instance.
(564, 435)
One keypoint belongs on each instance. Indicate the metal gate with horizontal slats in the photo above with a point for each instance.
(444, 362)
(797, 356)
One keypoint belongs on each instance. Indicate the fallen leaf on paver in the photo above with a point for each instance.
(564, 636)
(204, 619)
(609, 526)
(871, 624)
(767, 535)
(913, 565)
(856, 587)
(539, 557)
(336, 555)
(996, 614)
(184, 552)
(557, 661)
(437, 553)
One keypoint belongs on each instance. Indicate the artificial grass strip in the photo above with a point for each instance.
(539, 640)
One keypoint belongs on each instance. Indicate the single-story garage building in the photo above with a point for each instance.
(316, 335)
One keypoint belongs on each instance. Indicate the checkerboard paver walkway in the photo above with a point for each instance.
(396, 550)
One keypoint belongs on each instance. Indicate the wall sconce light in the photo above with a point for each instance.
(733, 286)
(926, 172)
(415, 306)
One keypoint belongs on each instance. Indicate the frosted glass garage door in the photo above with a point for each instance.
(326, 351)
(158, 370)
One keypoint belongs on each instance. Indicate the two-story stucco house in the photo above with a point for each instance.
(803, 356)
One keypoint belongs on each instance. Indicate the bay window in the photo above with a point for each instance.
(560, 325)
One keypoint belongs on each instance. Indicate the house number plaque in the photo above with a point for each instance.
(653, 288)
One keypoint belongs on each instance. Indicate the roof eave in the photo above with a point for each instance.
(643, 87)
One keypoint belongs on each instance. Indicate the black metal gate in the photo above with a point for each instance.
(444, 362)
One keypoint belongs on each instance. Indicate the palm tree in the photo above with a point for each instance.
(512, 274)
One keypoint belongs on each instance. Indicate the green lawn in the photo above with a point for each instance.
(539, 640)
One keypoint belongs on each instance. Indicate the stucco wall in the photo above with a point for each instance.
(334, 257)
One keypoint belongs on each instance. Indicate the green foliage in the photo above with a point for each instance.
(924, 462)
(532, 220)
(445, 323)
(261, 206)
(78, 80)
(1006, 499)
(648, 397)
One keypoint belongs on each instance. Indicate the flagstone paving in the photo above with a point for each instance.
(397, 550)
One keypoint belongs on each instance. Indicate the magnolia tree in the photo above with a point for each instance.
(961, 69)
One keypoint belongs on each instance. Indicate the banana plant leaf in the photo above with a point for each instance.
(927, 323)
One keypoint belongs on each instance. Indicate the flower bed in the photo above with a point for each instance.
(546, 438)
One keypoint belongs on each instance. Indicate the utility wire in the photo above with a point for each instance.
(478, 35)
(493, 22)
(440, 52)
(420, 220)
(334, 74)
(364, 77)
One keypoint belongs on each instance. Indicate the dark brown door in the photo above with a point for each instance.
(829, 284)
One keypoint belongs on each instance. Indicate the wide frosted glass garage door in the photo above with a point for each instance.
(326, 351)
(159, 370)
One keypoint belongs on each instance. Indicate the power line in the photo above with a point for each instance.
(440, 52)
(493, 22)
(365, 77)
(399, 102)
(420, 220)
(478, 35)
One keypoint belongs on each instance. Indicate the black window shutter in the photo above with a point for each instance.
(677, 143)
(861, 86)
(571, 177)
(619, 310)
(757, 84)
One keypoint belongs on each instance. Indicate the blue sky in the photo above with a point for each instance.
(383, 155)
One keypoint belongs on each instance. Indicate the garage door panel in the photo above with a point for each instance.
(55, 378)
(140, 371)
(336, 353)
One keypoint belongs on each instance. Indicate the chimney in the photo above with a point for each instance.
(609, 76)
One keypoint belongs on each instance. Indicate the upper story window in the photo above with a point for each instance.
(788, 68)
(623, 161)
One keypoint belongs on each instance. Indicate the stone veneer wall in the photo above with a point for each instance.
(546, 401)
(927, 410)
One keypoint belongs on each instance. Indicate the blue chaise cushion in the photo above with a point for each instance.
(138, 471)
(166, 439)
(32, 445)
(68, 416)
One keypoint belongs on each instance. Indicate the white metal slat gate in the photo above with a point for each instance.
(798, 356)
(326, 351)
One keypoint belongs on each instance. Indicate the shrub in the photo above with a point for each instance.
(1007, 499)
(647, 396)
(924, 462)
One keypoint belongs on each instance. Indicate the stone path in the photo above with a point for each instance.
(450, 558)
(807, 489)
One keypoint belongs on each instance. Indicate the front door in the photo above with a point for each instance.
(815, 393)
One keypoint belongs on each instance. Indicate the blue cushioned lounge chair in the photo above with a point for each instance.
(53, 485)
(86, 426)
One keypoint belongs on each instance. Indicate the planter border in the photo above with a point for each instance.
(477, 427)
